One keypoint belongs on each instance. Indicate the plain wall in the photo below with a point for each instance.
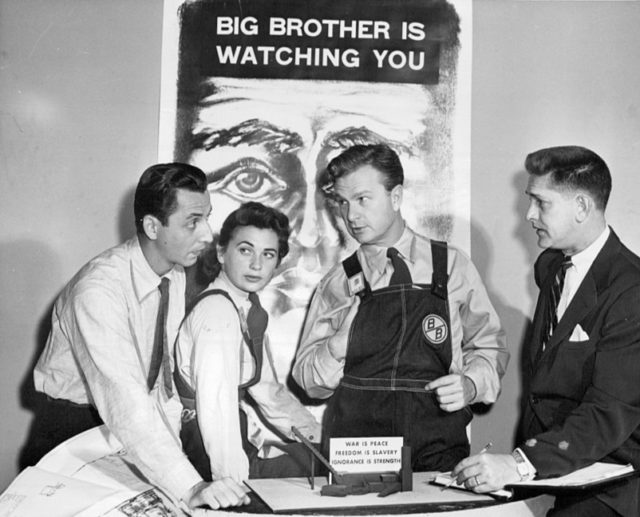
(79, 92)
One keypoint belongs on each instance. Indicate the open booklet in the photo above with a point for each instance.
(598, 473)
(87, 476)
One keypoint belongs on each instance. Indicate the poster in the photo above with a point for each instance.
(261, 94)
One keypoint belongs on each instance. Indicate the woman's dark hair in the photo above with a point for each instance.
(248, 214)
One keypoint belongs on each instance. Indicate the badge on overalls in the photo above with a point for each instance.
(434, 329)
(356, 283)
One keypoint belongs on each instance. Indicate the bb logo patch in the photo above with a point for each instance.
(434, 329)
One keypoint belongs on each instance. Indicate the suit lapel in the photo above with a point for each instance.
(586, 296)
(582, 303)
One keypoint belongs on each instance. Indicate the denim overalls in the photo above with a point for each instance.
(400, 339)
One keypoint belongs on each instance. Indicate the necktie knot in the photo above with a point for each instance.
(254, 299)
(401, 274)
(164, 286)
(562, 271)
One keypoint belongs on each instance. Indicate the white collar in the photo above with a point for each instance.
(145, 279)
(583, 260)
(239, 297)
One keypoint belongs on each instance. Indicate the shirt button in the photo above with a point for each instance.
(534, 399)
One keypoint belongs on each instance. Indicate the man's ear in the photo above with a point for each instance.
(396, 197)
(584, 206)
(150, 226)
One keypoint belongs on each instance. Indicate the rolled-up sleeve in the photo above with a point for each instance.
(479, 342)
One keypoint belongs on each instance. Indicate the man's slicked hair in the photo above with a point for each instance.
(379, 156)
(156, 193)
(573, 168)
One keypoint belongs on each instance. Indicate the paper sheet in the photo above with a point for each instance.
(86, 476)
(596, 473)
(39, 492)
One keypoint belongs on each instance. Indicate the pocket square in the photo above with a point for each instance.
(579, 334)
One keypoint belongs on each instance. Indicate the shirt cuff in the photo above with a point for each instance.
(311, 431)
(181, 479)
(481, 376)
(526, 470)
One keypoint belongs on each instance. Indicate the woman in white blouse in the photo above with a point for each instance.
(221, 369)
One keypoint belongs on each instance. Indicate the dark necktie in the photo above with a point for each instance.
(551, 316)
(401, 273)
(257, 320)
(160, 352)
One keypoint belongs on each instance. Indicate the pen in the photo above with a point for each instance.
(486, 448)
(453, 480)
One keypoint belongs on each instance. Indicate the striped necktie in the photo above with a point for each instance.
(551, 315)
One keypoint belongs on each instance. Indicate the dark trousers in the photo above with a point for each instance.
(56, 421)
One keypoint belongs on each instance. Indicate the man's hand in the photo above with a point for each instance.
(453, 391)
(222, 493)
(486, 472)
(339, 341)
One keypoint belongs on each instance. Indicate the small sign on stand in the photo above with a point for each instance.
(355, 455)
(361, 465)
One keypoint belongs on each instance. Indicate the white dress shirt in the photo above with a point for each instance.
(214, 360)
(99, 352)
(580, 264)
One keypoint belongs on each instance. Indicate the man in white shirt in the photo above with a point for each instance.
(107, 358)
(582, 395)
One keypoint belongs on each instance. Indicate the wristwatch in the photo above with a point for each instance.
(526, 470)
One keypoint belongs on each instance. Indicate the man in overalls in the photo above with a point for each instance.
(402, 333)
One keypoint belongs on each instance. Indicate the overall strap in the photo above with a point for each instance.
(358, 285)
(184, 390)
(204, 294)
(440, 276)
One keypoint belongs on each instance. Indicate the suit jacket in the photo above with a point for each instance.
(582, 401)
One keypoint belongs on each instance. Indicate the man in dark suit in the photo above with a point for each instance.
(582, 398)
